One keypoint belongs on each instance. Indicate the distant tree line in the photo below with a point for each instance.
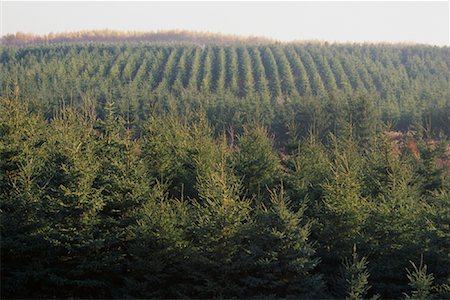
(114, 36)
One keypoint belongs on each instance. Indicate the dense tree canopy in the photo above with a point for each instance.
(225, 171)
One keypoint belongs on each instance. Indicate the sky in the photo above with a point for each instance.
(423, 22)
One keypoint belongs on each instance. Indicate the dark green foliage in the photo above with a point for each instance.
(341, 78)
(420, 282)
(343, 209)
(362, 116)
(177, 153)
(219, 70)
(206, 71)
(270, 66)
(299, 72)
(137, 171)
(325, 71)
(308, 169)
(286, 77)
(245, 73)
(157, 265)
(355, 277)
(407, 84)
(431, 176)
(314, 77)
(231, 70)
(194, 63)
(255, 162)
(217, 232)
(350, 70)
(24, 218)
(278, 258)
(259, 73)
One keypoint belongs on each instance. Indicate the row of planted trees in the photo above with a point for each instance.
(403, 81)
(290, 69)
(90, 208)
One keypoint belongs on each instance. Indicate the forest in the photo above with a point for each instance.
(237, 170)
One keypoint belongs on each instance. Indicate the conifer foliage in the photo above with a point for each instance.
(224, 171)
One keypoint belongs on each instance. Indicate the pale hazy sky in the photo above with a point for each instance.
(405, 21)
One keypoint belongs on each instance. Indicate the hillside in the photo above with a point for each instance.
(231, 169)
(406, 84)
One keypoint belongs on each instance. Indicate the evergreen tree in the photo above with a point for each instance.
(341, 78)
(231, 80)
(278, 259)
(118, 181)
(325, 71)
(317, 86)
(287, 79)
(351, 72)
(343, 211)
(255, 162)
(420, 282)
(219, 70)
(245, 72)
(270, 66)
(167, 56)
(170, 70)
(24, 227)
(308, 168)
(177, 79)
(191, 152)
(299, 72)
(355, 277)
(395, 225)
(259, 73)
(157, 67)
(430, 175)
(192, 76)
(362, 117)
(206, 71)
(159, 250)
(217, 228)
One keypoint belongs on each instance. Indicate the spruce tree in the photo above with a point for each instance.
(278, 260)
(355, 277)
(343, 211)
(219, 222)
(420, 282)
(231, 77)
(23, 206)
(299, 72)
(395, 225)
(256, 163)
(270, 67)
(287, 82)
(158, 265)
(246, 81)
(219, 70)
